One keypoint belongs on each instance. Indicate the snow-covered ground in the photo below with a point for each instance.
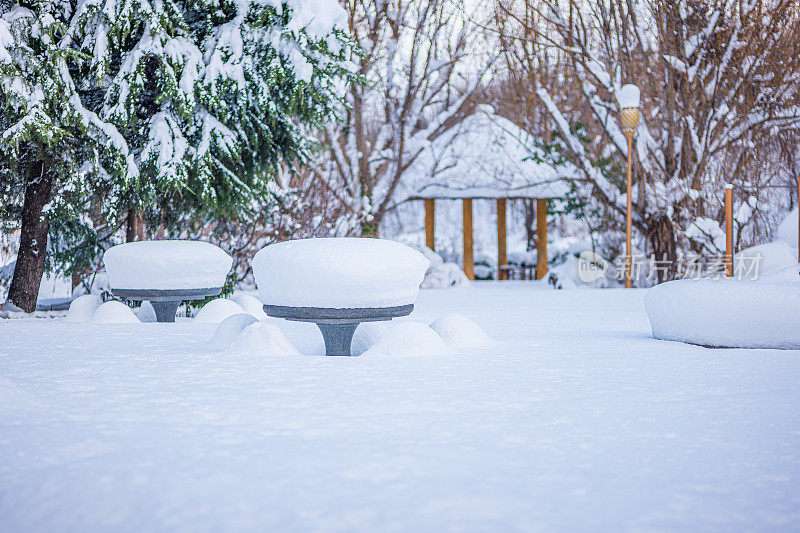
(576, 419)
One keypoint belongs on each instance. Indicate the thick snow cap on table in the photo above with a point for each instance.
(729, 313)
(339, 273)
(628, 96)
(166, 265)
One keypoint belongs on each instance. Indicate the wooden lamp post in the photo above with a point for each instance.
(628, 98)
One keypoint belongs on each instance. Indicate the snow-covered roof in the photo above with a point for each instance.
(486, 156)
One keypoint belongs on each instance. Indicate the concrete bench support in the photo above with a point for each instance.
(166, 301)
(337, 325)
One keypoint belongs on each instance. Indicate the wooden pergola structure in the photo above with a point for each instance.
(502, 237)
(487, 157)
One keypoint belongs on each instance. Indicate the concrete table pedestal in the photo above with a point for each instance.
(165, 302)
(337, 325)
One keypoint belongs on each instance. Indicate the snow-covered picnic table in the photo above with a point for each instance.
(165, 273)
(339, 283)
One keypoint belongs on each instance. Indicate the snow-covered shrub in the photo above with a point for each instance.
(444, 276)
(440, 274)
(485, 266)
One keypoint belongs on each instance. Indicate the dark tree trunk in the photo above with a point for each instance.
(530, 225)
(662, 242)
(29, 270)
(130, 226)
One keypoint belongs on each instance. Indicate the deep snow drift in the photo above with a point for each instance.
(575, 419)
(339, 273)
(166, 265)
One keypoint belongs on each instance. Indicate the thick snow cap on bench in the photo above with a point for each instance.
(339, 273)
(729, 313)
(166, 265)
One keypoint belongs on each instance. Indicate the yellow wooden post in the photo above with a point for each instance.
(628, 221)
(430, 219)
(502, 251)
(541, 238)
(469, 258)
(798, 218)
(729, 230)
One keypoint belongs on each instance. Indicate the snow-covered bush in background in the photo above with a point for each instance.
(788, 230)
(444, 276)
(485, 266)
(440, 274)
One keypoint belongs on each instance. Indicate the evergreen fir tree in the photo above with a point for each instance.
(124, 104)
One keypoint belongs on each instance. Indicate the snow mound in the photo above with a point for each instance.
(146, 313)
(367, 334)
(82, 308)
(763, 259)
(444, 276)
(166, 265)
(262, 338)
(228, 330)
(218, 310)
(787, 231)
(251, 305)
(339, 273)
(729, 313)
(114, 312)
(409, 338)
(791, 274)
(459, 331)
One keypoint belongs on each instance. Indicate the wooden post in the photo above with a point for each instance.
(628, 221)
(430, 219)
(469, 258)
(729, 230)
(541, 238)
(502, 250)
(798, 218)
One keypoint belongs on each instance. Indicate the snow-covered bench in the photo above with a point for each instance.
(338, 283)
(166, 273)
